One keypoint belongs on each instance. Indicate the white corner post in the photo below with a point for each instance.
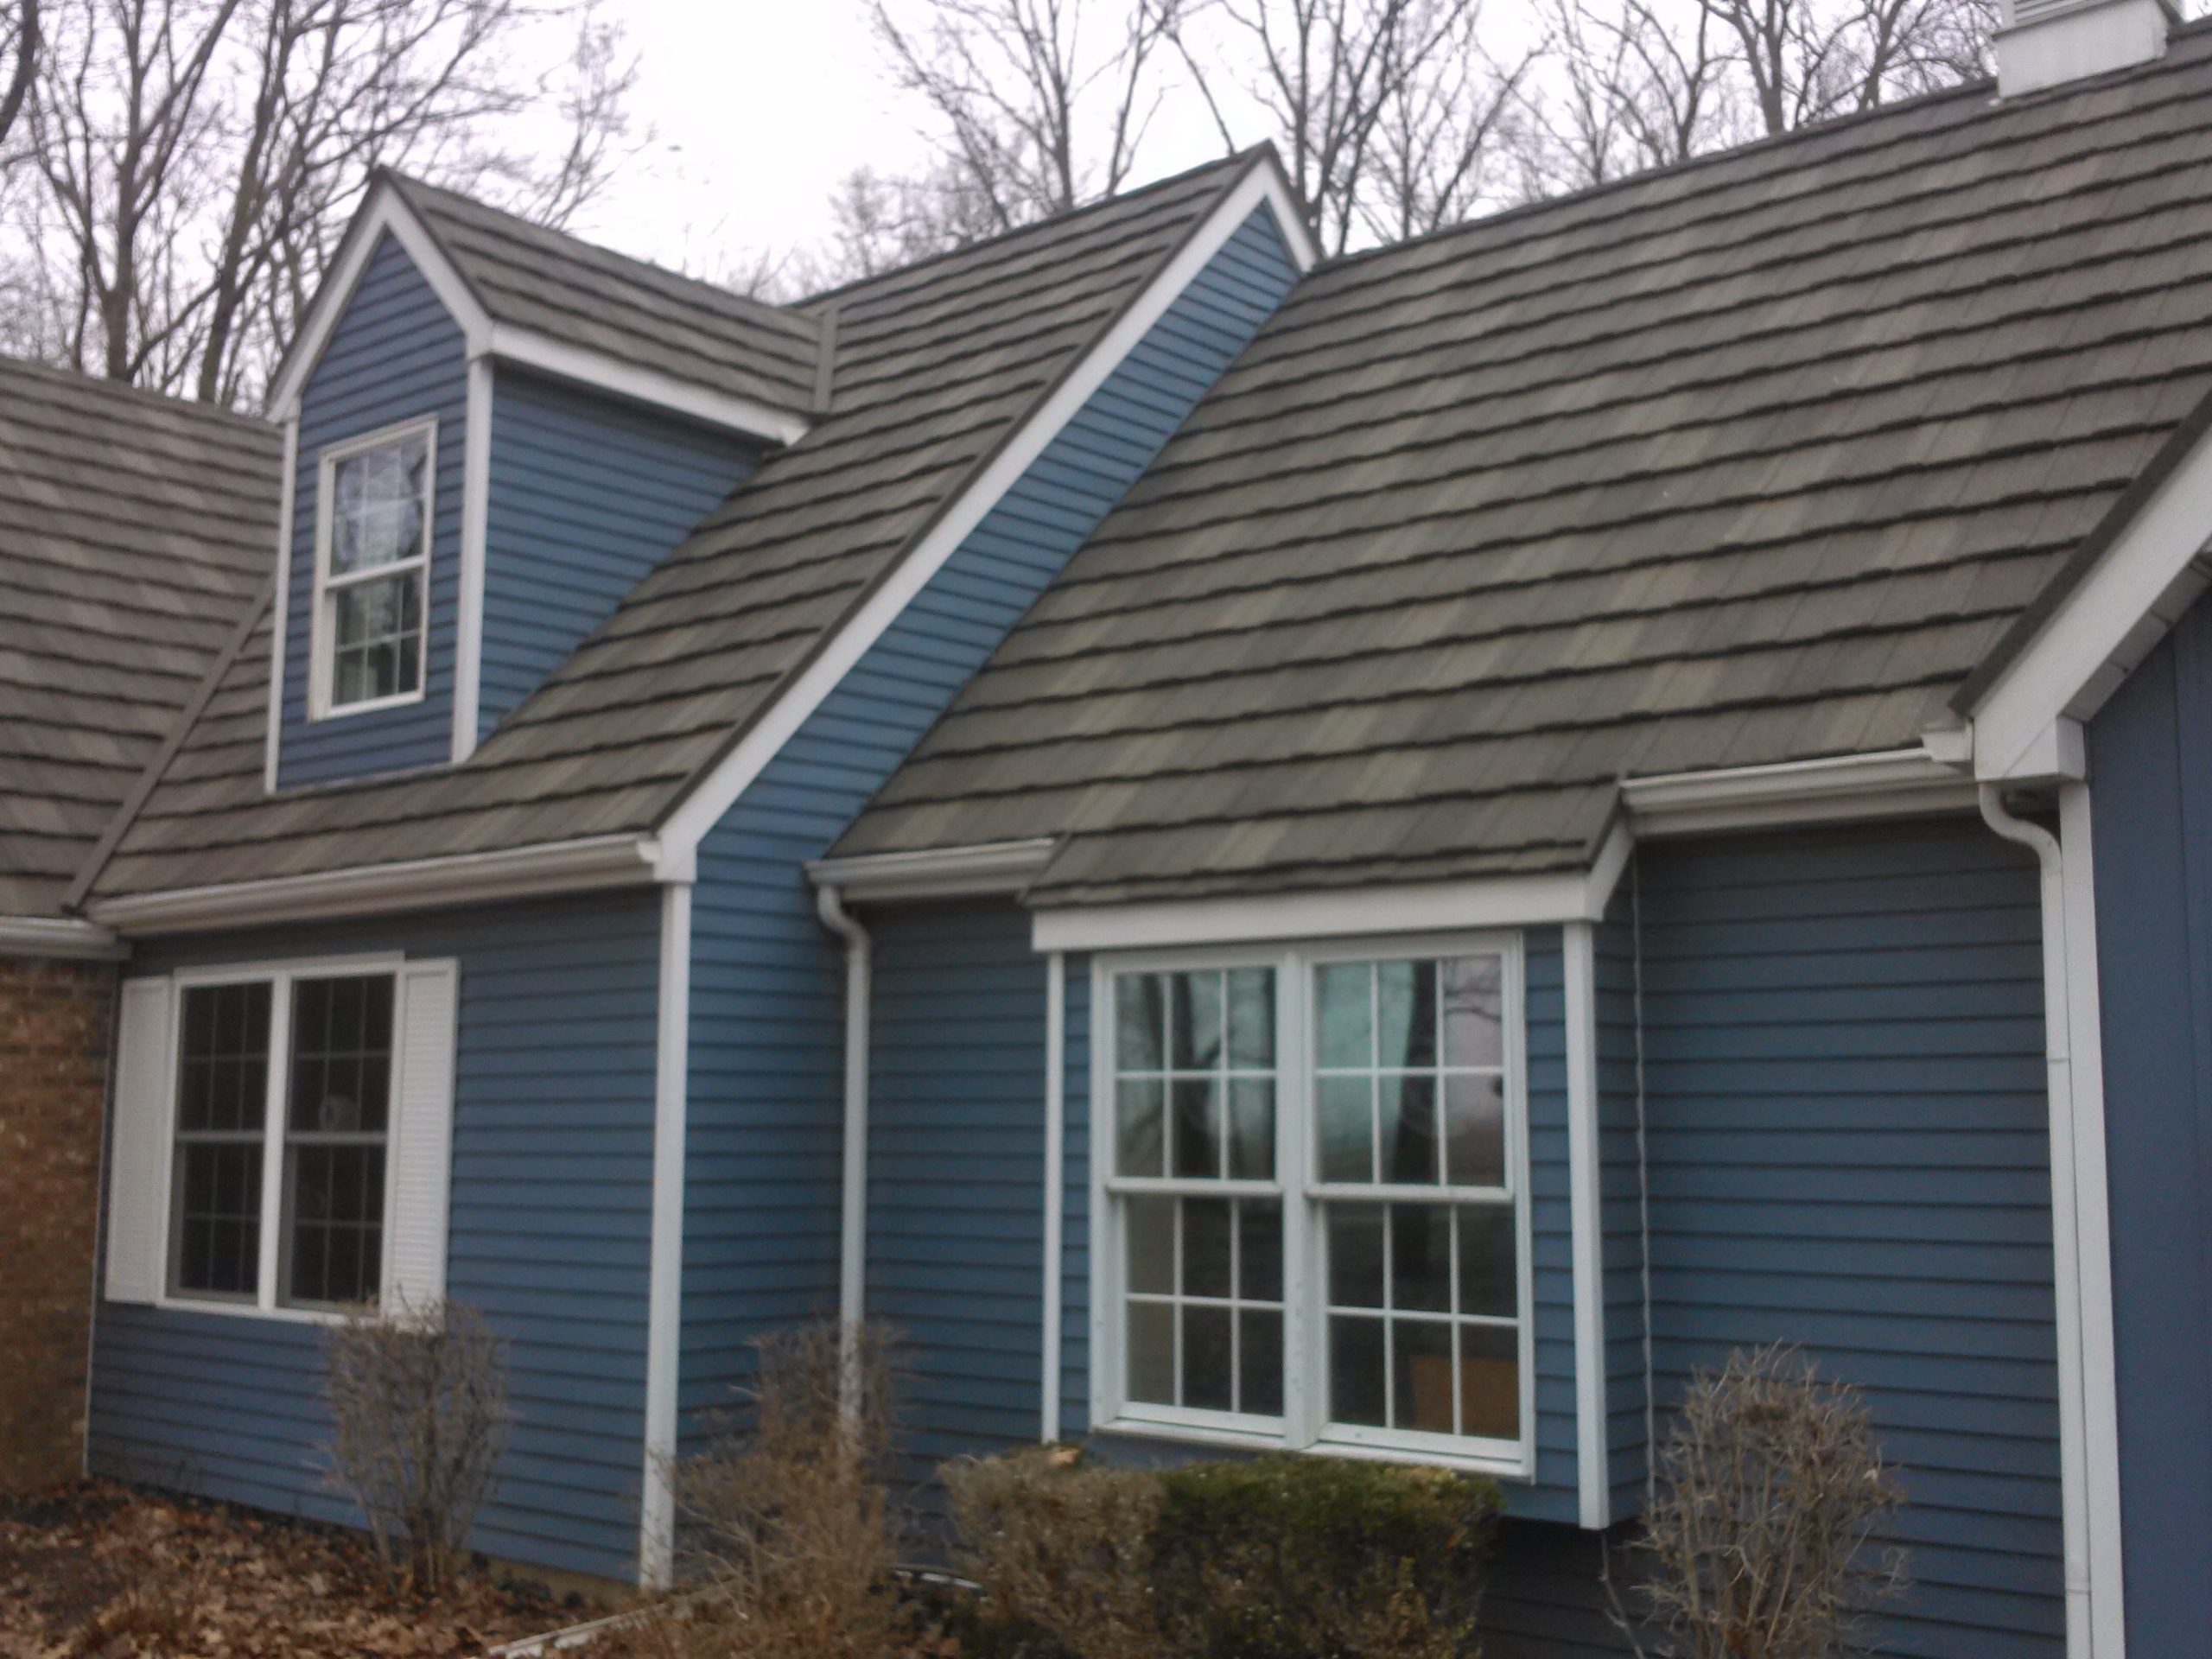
(2080, 1223)
(475, 531)
(852, 1252)
(665, 1307)
(1056, 1040)
(1585, 1201)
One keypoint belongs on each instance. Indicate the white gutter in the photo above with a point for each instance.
(852, 1255)
(2081, 1225)
(996, 866)
(1056, 1027)
(58, 936)
(1889, 783)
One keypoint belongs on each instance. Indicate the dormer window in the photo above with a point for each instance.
(372, 559)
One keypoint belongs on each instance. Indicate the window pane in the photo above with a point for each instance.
(223, 1073)
(1194, 1020)
(1355, 1255)
(1409, 1108)
(1259, 1336)
(1421, 1369)
(1406, 1010)
(1206, 1377)
(1150, 1229)
(1151, 1353)
(1472, 1003)
(1252, 1018)
(1488, 1283)
(1205, 1247)
(1356, 1394)
(377, 640)
(1421, 1257)
(1341, 991)
(218, 1248)
(1259, 1249)
(337, 1212)
(1490, 1381)
(1138, 1013)
(1346, 1106)
(1474, 1131)
(1137, 1107)
(1251, 1129)
(1198, 1127)
(377, 506)
(341, 1055)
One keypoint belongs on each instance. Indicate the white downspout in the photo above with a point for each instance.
(2066, 1220)
(852, 1255)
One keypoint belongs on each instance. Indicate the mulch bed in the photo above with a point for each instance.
(99, 1570)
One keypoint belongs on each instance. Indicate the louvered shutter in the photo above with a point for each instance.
(138, 1159)
(422, 1135)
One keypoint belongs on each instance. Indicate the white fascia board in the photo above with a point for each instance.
(2146, 579)
(565, 361)
(1891, 783)
(1586, 1209)
(460, 879)
(714, 794)
(58, 936)
(999, 866)
(1341, 912)
(475, 523)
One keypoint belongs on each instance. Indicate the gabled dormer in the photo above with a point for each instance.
(494, 431)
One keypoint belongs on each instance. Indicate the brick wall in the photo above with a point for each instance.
(54, 1053)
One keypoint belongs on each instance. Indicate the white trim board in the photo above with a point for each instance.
(1594, 1478)
(665, 1283)
(476, 531)
(705, 803)
(58, 936)
(281, 605)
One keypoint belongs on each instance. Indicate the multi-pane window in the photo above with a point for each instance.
(1314, 1199)
(328, 1111)
(374, 563)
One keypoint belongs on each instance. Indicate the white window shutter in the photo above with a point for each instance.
(138, 1162)
(422, 1134)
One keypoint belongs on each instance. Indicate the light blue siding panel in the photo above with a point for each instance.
(550, 1236)
(1621, 1202)
(1846, 1116)
(395, 355)
(588, 494)
(2150, 793)
(1553, 1494)
(761, 1205)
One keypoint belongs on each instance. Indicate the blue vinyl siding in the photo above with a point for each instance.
(1621, 1202)
(395, 355)
(955, 1222)
(550, 1236)
(761, 1200)
(1075, 1228)
(1554, 1493)
(1847, 1130)
(2150, 795)
(587, 495)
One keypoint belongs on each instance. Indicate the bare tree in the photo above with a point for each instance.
(1632, 88)
(19, 40)
(1444, 136)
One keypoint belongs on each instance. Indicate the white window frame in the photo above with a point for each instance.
(280, 978)
(322, 625)
(1303, 1425)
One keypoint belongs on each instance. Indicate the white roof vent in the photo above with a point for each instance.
(2044, 42)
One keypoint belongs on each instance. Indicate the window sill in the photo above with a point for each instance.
(1255, 1441)
(318, 716)
(249, 1311)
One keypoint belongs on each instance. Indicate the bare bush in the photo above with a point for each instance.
(1761, 1536)
(786, 1519)
(418, 1406)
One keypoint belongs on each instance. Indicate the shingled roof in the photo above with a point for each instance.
(1747, 461)
(134, 531)
(937, 367)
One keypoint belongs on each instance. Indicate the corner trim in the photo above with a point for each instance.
(476, 528)
(1055, 1173)
(415, 884)
(664, 1291)
(1585, 1205)
(280, 581)
(940, 873)
(1890, 783)
(58, 936)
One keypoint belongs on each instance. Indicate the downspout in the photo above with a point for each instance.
(852, 1256)
(2074, 1475)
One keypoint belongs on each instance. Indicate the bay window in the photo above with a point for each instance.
(1313, 1200)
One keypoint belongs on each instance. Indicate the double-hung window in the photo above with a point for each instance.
(372, 559)
(1314, 1195)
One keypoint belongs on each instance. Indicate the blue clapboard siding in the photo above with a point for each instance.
(1075, 1230)
(955, 1218)
(2150, 794)
(552, 1204)
(762, 1211)
(1621, 1202)
(1848, 1129)
(395, 355)
(588, 494)
(1542, 1598)
(1553, 1494)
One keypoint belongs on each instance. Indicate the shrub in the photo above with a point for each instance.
(1769, 1492)
(418, 1409)
(1277, 1558)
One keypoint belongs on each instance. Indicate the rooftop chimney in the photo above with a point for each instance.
(2045, 42)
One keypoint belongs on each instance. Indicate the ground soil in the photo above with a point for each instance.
(98, 1571)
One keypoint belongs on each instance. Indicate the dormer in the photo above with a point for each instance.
(494, 431)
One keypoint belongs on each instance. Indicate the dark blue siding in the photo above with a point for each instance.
(761, 1213)
(1555, 1494)
(588, 494)
(1621, 1177)
(552, 1204)
(957, 1173)
(2150, 793)
(1847, 1122)
(1075, 1230)
(395, 355)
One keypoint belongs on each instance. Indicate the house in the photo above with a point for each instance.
(1382, 857)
